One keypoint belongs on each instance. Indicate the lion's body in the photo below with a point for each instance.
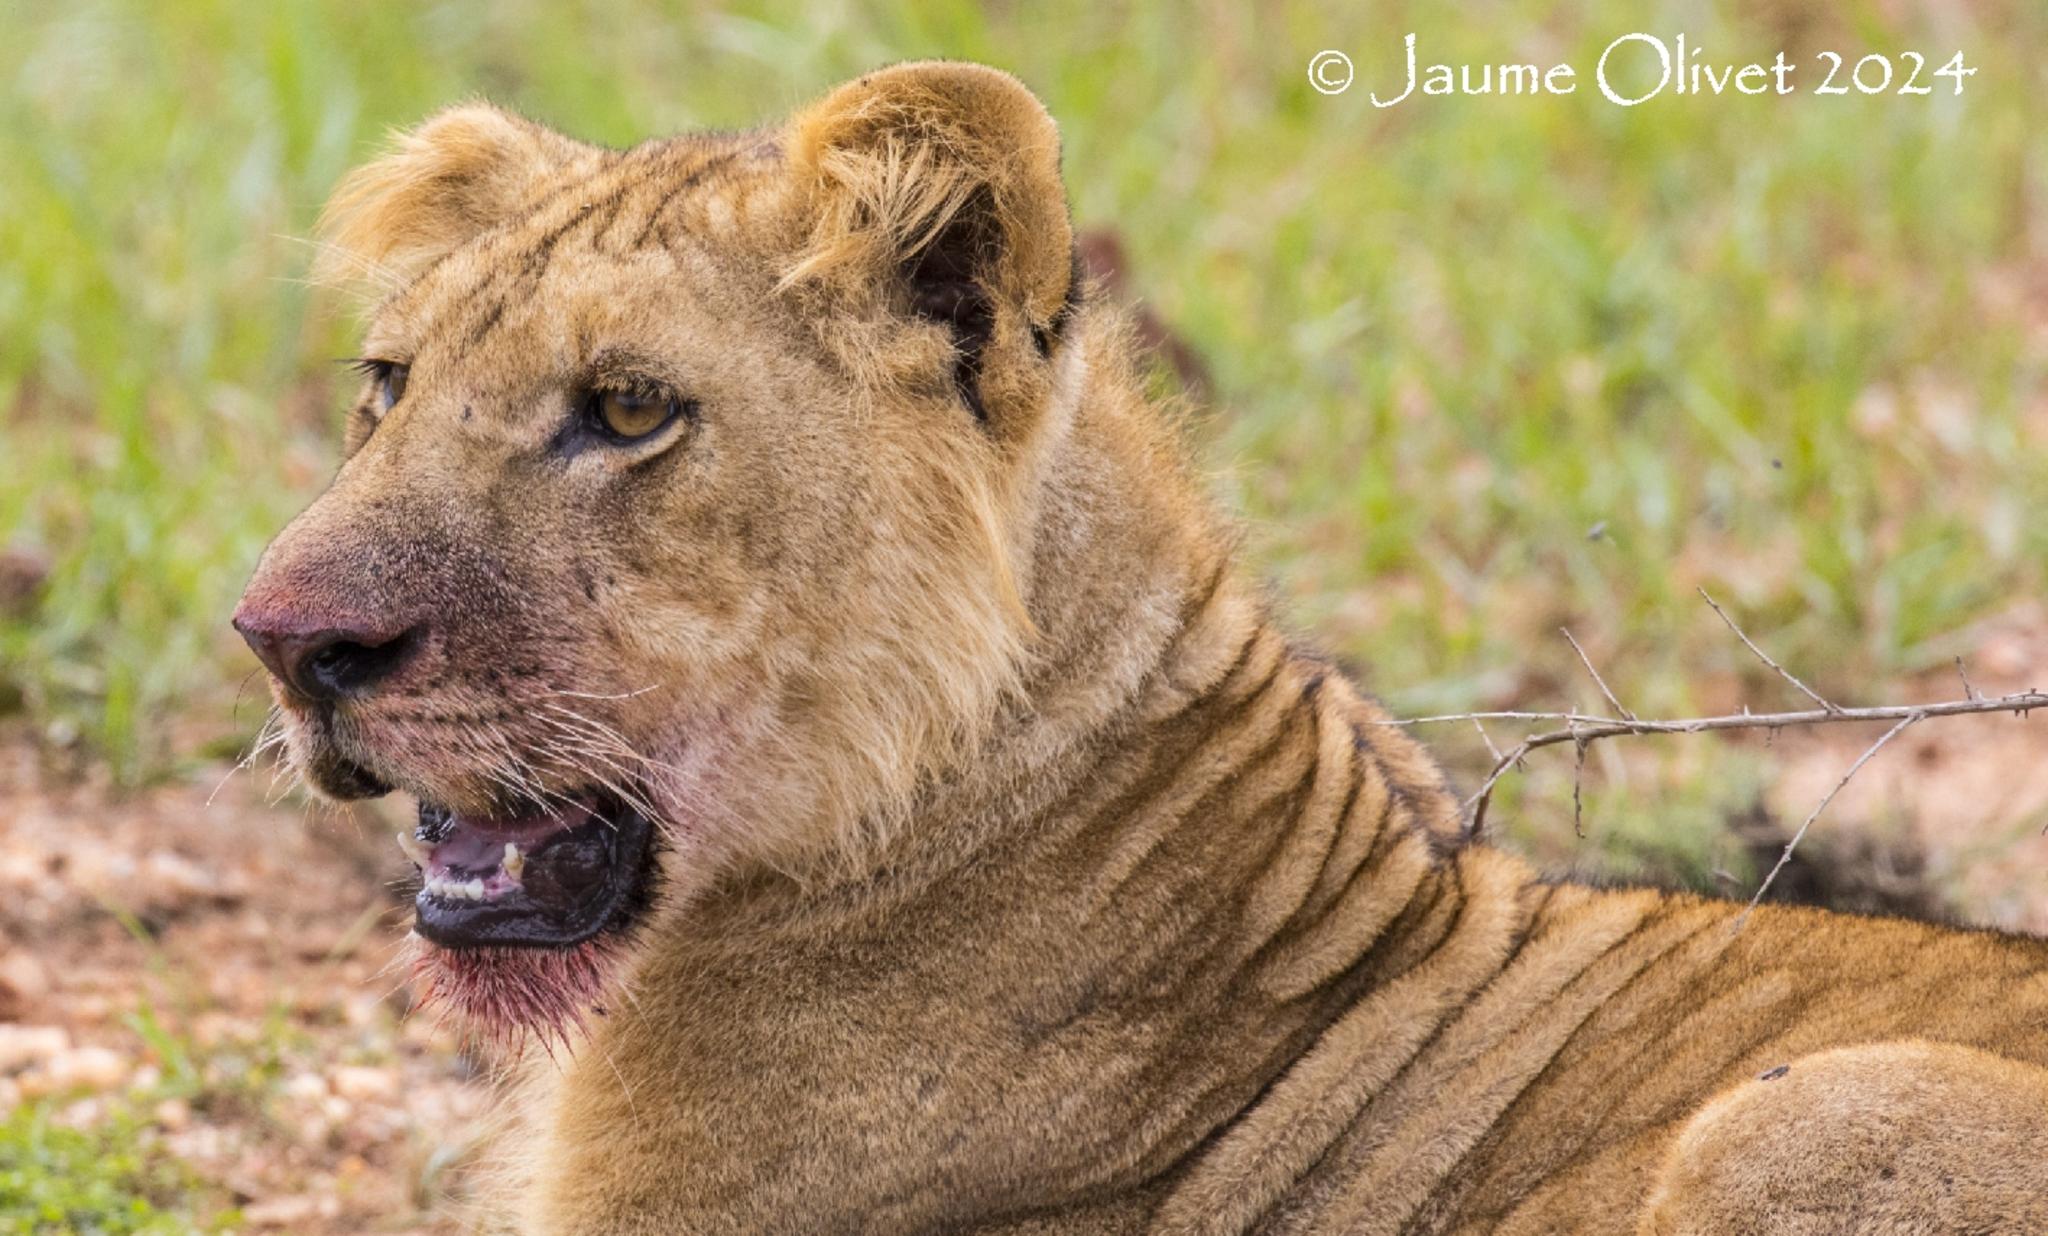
(1214, 980)
(1020, 876)
(1213, 961)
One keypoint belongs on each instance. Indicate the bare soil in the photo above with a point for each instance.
(259, 940)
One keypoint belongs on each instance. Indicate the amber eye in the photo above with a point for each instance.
(630, 415)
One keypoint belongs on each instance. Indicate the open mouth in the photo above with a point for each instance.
(546, 879)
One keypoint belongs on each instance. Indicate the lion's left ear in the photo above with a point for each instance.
(940, 182)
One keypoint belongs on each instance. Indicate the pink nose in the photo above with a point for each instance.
(321, 658)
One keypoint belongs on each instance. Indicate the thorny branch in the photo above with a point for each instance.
(1583, 729)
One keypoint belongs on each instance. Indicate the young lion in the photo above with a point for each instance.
(839, 720)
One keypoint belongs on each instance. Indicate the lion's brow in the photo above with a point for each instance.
(622, 184)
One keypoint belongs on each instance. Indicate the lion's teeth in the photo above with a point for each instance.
(514, 861)
(414, 848)
(455, 890)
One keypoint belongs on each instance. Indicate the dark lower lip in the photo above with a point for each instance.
(577, 884)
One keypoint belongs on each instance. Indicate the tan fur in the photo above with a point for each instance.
(1020, 876)
(1906, 1137)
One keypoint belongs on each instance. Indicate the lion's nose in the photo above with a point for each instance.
(322, 661)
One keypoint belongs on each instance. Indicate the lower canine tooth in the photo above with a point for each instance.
(514, 862)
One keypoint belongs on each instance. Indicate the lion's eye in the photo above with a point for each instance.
(391, 386)
(630, 415)
(387, 378)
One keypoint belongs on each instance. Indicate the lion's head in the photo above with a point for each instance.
(684, 518)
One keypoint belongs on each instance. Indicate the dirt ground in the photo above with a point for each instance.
(1965, 797)
(226, 965)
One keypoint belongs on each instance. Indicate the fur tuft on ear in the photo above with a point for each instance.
(440, 185)
(941, 176)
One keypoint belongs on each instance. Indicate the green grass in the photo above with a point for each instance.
(1789, 349)
(112, 1175)
(108, 1179)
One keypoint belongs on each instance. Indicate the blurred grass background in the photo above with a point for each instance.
(1478, 368)
(1481, 366)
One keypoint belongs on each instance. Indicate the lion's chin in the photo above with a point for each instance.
(508, 997)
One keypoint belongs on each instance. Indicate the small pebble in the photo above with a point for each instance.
(21, 1046)
(86, 1068)
(281, 1212)
(173, 1115)
(359, 1084)
(23, 982)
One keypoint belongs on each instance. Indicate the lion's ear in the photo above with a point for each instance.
(441, 184)
(941, 180)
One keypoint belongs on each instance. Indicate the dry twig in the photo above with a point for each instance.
(1765, 657)
(1969, 688)
(1597, 679)
(1799, 834)
(1486, 738)
(1583, 729)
